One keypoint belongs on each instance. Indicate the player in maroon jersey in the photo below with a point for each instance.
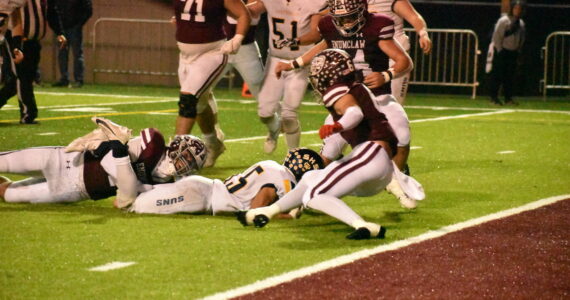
(203, 55)
(368, 38)
(62, 174)
(363, 172)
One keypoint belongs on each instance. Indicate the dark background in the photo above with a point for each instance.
(542, 18)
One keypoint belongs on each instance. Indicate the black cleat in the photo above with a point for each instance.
(361, 233)
(260, 221)
(240, 215)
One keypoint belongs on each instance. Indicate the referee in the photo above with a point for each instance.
(19, 77)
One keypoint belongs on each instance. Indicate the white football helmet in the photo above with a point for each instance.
(187, 153)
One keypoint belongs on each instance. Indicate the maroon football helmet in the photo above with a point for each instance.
(330, 67)
(349, 16)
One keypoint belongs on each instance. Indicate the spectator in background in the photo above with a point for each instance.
(20, 82)
(507, 42)
(74, 15)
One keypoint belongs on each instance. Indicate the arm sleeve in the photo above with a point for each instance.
(127, 183)
(499, 35)
(54, 18)
(351, 117)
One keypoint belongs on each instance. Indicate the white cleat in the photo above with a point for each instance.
(214, 151)
(112, 130)
(90, 141)
(394, 188)
(270, 143)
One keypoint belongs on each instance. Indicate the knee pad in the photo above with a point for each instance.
(187, 106)
(290, 125)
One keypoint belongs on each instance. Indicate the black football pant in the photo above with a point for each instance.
(22, 83)
(503, 73)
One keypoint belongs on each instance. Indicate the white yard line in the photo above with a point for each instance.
(346, 259)
(112, 266)
(159, 99)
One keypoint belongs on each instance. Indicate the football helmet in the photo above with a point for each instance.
(330, 67)
(301, 160)
(187, 154)
(348, 15)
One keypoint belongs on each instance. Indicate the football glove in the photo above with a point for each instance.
(232, 46)
(119, 149)
(282, 43)
(329, 129)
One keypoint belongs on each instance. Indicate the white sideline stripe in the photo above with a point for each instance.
(48, 133)
(415, 147)
(112, 266)
(345, 259)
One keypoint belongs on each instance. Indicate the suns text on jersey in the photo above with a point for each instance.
(350, 44)
(161, 202)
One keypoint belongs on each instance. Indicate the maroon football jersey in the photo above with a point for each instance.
(152, 148)
(363, 46)
(199, 21)
(373, 127)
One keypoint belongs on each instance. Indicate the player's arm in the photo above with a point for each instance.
(265, 196)
(404, 9)
(117, 164)
(300, 61)
(402, 64)
(237, 10)
(256, 8)
(351, 114)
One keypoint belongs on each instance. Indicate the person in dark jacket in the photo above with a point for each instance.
(19, 74)
(74, 15)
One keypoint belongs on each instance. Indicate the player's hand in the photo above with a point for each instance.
(18, 56)
(374, 80)
(62, 41)
(232, 46)
(329, 129)
(282, 43)
(425, 43)
(119, 149)
(281, 67)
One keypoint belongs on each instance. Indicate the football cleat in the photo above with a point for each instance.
(90, 141)
(214, 151)
(395, 189)
(112, 130)
(363, 233)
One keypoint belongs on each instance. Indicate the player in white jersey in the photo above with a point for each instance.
(258, 186)
(292, 23)
(400, 10)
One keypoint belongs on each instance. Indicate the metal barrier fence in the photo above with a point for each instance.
(452, 62)
(140, 51)
(556, 54)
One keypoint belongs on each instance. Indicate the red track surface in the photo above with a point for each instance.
(525, 256)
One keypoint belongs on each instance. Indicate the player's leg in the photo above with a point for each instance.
(399, 85)
(213, 134)
(296, 85)
(198, 71)
(248, 63)
(398, 119)
(333, 145)
(190, 194)
(8, 68)
(30, 161)
(268, 104)
(367, 163)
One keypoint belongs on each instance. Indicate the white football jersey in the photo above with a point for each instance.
(385, 7)
(240, 189)
(289, 19)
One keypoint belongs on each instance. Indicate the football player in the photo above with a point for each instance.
(259, 185)
(399, 10)
(364, 172)
(204, 53)
(368, 38)
(292, 24)
(64, 174)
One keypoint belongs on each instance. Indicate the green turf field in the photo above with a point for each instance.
(472, 158)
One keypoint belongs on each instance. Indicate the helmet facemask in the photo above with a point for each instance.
(348, 16)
